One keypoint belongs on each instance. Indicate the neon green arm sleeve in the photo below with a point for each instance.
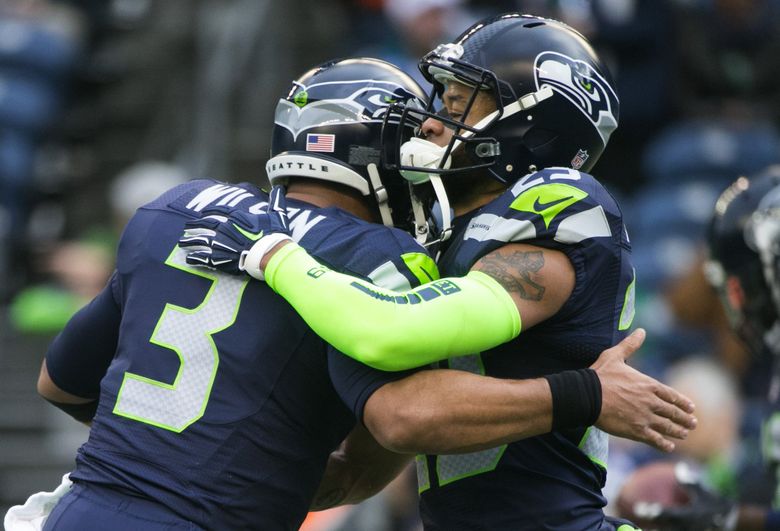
(392, 330)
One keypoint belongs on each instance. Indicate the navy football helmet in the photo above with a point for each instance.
(555, 101)
(329, 125)
(744, 248)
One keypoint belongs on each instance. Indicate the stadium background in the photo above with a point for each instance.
(104, 103)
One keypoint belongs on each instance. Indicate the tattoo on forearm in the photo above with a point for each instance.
(326, 500)
(513, 270)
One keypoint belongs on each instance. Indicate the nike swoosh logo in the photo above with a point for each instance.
(540, 207)
(251, 235)
(427, 274)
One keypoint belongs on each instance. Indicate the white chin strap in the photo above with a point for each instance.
(423, 153)
(444, 203)
(421, 224)
(421, 229)
(380, 194)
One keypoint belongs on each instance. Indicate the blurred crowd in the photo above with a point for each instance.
(105, 103)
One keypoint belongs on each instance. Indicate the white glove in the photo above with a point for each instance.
(32, 515)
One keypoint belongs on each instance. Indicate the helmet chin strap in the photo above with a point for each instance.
(424, 153)
(421, 229)
(380, 194)
(421, 224)
(444, 203)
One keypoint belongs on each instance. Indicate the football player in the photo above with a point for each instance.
(744, 267)
(214, 406)
(537, 246)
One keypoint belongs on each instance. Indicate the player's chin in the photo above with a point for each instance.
(460, 185)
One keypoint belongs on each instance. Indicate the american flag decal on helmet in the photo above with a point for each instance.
(318, 142)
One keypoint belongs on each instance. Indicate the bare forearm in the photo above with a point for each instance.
(448, 411)
(335, 485)
(357, 470)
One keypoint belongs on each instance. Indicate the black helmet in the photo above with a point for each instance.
(328, 127)
(555, 101)
(738, 237)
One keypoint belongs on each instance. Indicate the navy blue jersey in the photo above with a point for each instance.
(552, 481)
(217, 401)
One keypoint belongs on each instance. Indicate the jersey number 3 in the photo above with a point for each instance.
(188, 333)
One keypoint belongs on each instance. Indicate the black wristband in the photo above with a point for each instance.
(576, 398)
(81, 412)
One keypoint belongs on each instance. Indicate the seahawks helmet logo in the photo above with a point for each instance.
(578, 82)
(339, 102)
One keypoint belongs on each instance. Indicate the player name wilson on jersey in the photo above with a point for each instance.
(235, 196)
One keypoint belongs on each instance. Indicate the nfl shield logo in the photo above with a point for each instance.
(579, 159)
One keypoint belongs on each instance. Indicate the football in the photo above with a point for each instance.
(649, 489)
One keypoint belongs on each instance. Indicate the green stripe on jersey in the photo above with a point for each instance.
(629, 304)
